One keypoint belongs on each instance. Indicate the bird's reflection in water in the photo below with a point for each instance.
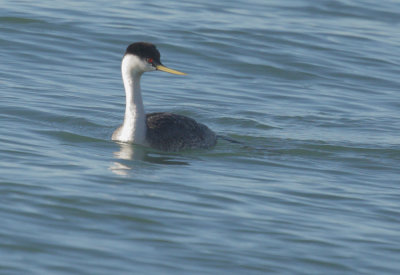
(129, 155)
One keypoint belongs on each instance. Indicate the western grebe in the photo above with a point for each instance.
(163, 131)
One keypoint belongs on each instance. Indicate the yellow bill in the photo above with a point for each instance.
(168, 70)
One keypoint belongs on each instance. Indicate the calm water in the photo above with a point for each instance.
(311, 89)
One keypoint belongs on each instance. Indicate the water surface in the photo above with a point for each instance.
(310, 89)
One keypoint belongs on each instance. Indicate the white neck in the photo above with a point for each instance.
(134, 127)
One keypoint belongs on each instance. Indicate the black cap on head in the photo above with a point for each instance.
(144, 50)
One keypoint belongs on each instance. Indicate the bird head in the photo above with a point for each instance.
(143, 57)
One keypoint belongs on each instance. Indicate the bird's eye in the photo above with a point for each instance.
(150, 60)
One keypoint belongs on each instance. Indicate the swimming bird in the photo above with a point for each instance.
(162, 131)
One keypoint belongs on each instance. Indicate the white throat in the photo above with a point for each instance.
(134, 127)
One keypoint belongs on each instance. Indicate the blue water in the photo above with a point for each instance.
(311, 89)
